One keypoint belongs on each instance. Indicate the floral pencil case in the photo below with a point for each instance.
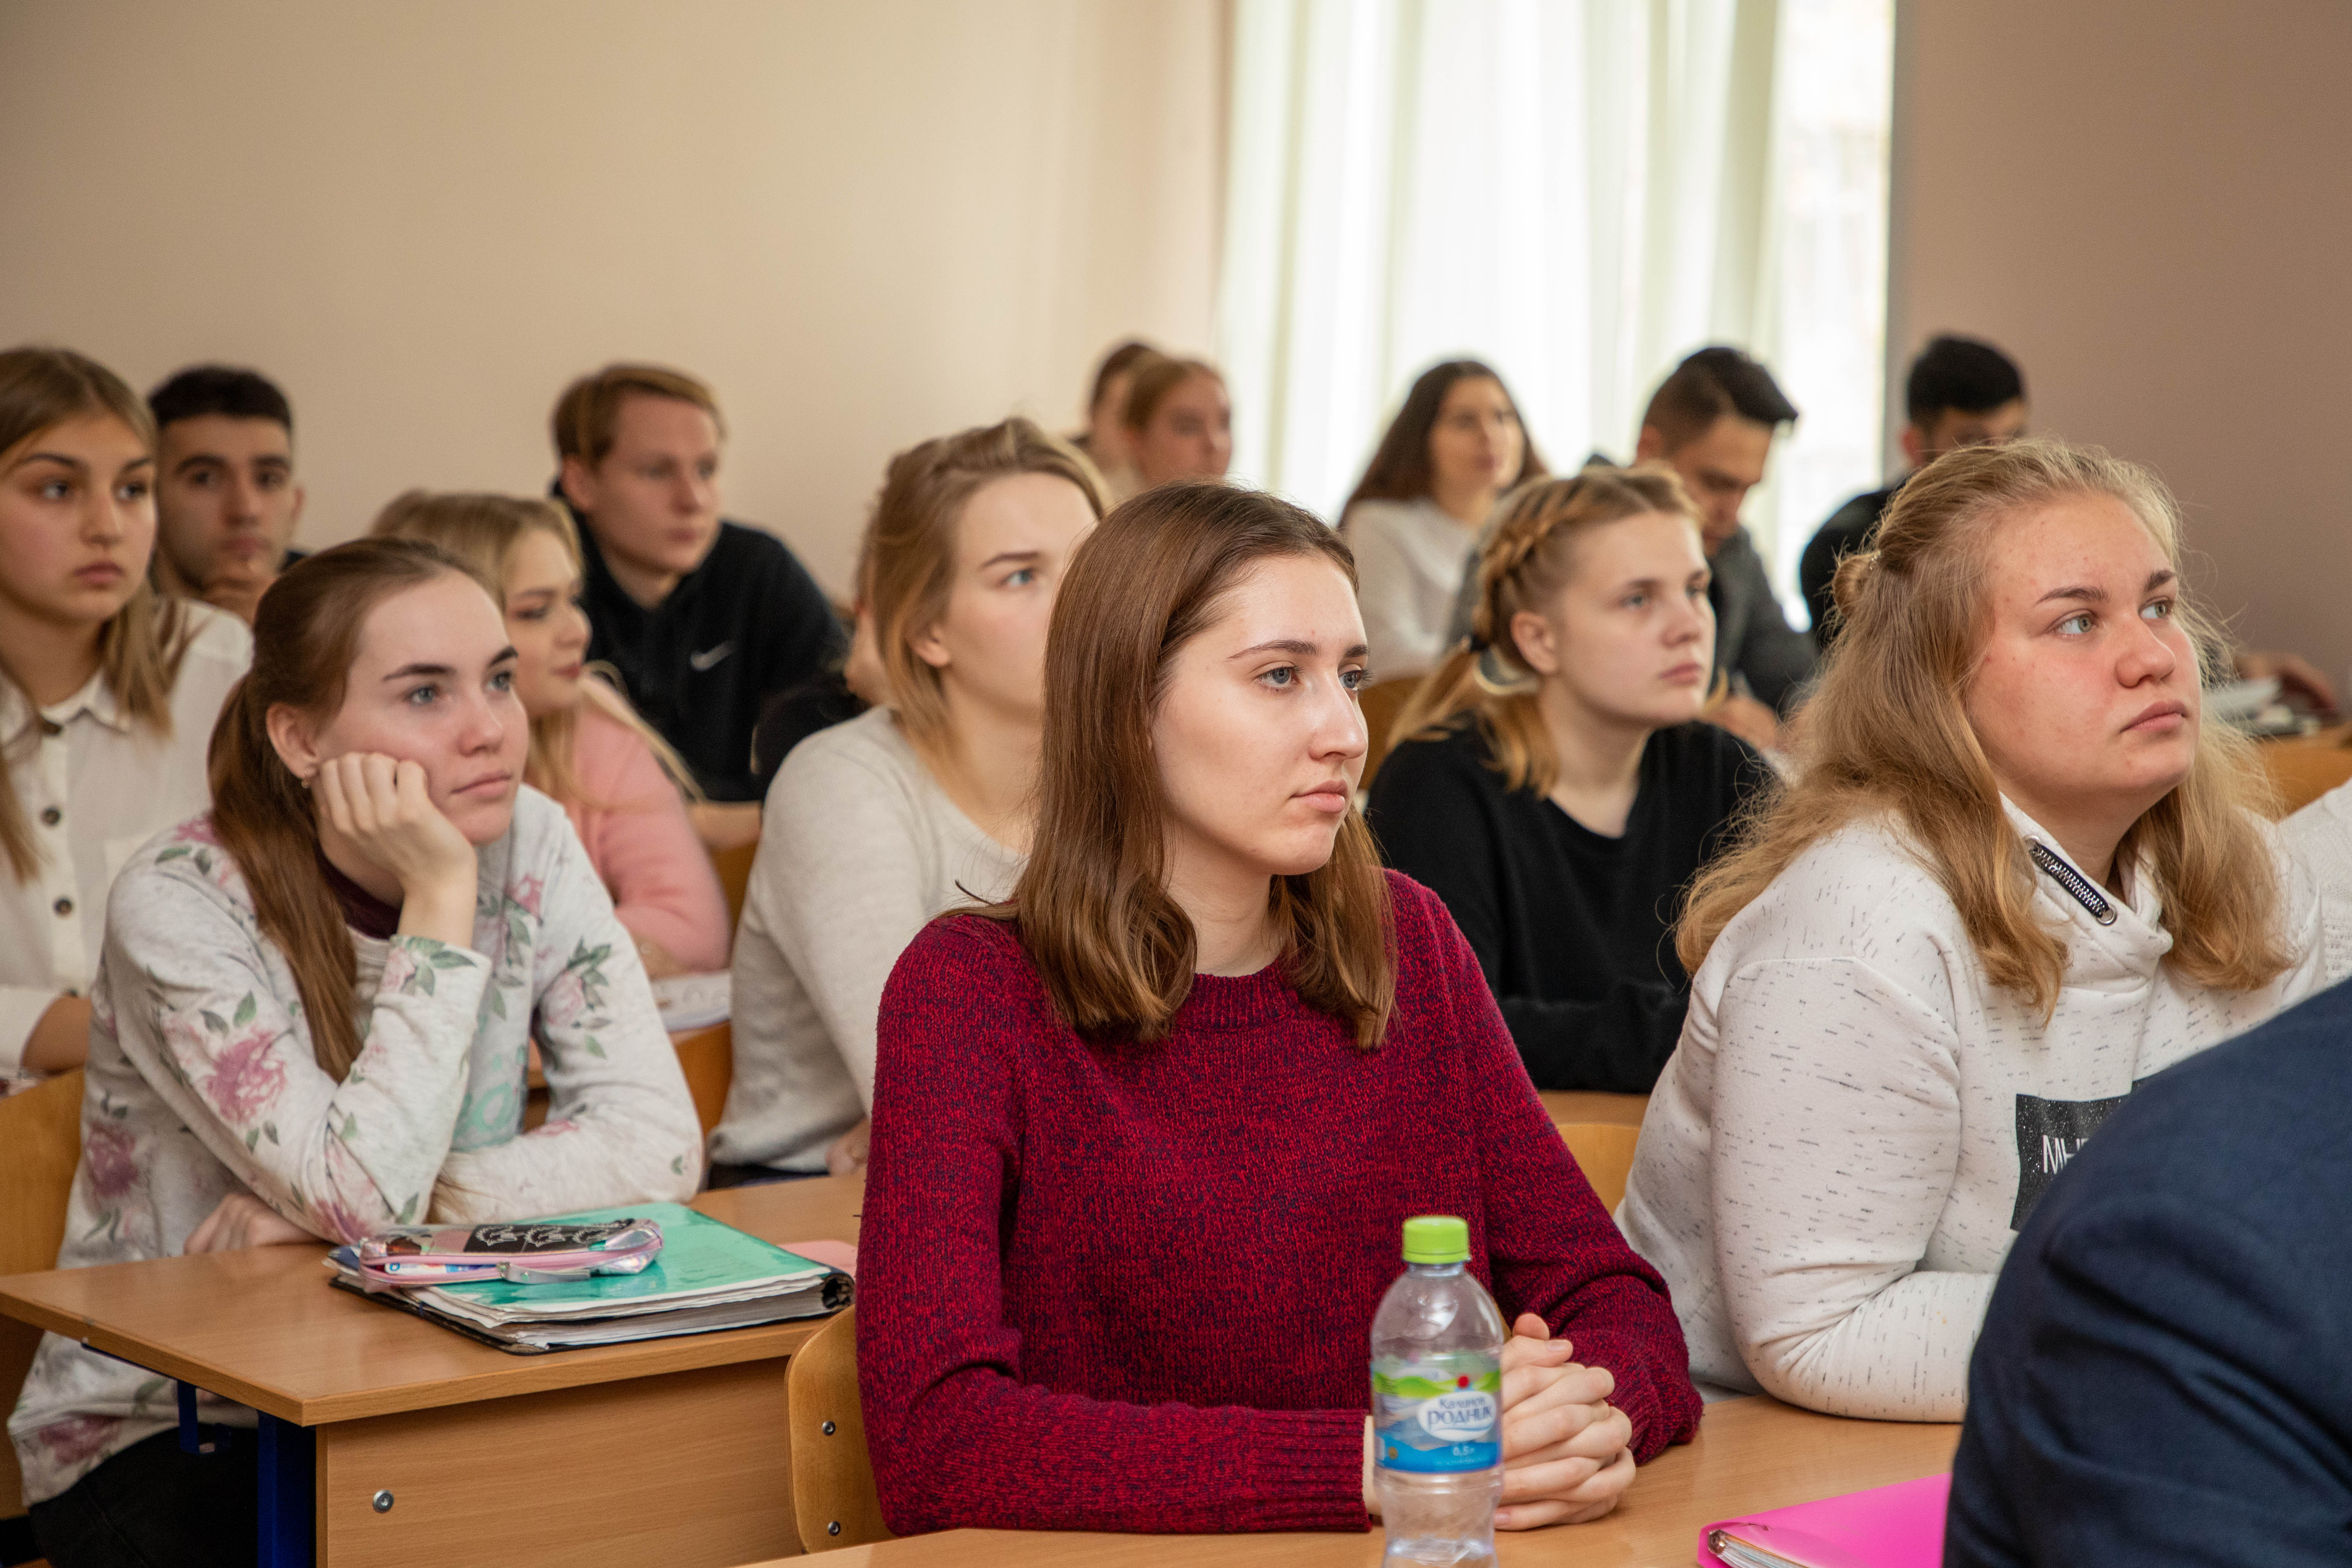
(527, 1252)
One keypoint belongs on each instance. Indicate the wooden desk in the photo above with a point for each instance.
(2301, 768)
(1750, 1455)
(1571, 1105)
(680, 1443)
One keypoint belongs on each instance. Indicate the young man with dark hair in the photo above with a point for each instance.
(704, 619)
(227, 502)
(1962, 393)
(1712, 421)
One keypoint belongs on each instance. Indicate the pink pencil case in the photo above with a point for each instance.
(1900, 1526)
(531, 1252)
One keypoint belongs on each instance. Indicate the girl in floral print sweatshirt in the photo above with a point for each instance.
(290, 1046)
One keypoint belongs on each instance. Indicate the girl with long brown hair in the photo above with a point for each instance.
(1454, 449)
(623, 788)
(315, 1006)
(925, 800)
(107, 690)
(1144, 1134)
(2013, 874)
(1557, 787)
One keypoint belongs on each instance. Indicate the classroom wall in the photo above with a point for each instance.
(2146, 202)
(866, 224)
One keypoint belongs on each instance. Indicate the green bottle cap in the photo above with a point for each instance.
(1436, 1238)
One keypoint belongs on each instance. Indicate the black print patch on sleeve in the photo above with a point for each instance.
(2049, 1133)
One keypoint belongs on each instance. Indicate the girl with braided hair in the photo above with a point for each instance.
(1556, 787)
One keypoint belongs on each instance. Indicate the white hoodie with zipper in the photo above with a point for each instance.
(1856, 1120)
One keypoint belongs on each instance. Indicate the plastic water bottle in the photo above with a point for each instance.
(1437, 1402)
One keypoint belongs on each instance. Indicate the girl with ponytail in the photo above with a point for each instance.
(1556, 786)
(107, 691)
(316, 1003)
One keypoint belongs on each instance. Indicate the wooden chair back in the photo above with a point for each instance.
(1604, 1153)
(2301, 768)
(1381, 703)
(734, 865)
(708, 1057)
(40, 1144)
(833, 1477)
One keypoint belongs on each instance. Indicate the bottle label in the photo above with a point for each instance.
(1438, 1414)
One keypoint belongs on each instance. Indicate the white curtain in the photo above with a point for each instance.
(1578, 192)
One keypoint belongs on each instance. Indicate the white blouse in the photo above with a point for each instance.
(94, 785)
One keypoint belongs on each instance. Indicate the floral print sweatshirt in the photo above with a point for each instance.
(198, 1029)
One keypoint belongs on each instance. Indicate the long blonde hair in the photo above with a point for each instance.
(140, 646)
(482, 530)
(1887, 733)
(1526, 559)
(907, 564)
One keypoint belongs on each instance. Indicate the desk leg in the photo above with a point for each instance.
(289, 1493)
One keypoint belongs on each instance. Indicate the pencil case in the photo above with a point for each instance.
(525, 1252)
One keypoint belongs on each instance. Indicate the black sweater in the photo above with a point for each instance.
(748, 622)
(1573, 930)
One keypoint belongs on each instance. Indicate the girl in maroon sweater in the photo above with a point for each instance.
(1144, 1136)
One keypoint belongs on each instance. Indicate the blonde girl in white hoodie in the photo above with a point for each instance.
(2015, 875)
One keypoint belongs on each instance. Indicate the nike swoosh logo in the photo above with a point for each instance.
(709, 655)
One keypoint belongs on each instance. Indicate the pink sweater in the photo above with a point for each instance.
(643, 845)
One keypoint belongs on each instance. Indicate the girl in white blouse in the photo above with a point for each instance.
(108, 691)
(874, 826)
(1453, 451)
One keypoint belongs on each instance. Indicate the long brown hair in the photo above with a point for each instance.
(141, 644)
(1115, 949)
(905, 568)
(482, 529)
(1526, 559)
(1888, 733)
(1401, 468)
(305, 636)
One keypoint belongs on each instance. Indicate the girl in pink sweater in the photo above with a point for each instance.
(622, 787)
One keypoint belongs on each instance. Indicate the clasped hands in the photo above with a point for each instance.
(1567, 1451)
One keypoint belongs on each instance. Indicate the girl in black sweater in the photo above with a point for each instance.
(1557, 787)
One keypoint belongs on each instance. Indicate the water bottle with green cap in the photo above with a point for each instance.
(1437, 1401)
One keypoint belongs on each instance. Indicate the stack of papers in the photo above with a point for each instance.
(709, 1277)
(694, 1001)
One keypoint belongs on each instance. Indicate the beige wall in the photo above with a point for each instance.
(2146, 201)
(865, 222)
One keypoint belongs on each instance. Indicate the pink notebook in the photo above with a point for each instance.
(1900, 1526)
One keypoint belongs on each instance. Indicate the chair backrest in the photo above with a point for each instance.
(1604, 1153)
(2302, 769)
(1381, 703)
(734, 867)
(40, 1144)
(707, 1058)
(833, 1477)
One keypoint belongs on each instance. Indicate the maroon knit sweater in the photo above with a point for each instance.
(1131, 1288)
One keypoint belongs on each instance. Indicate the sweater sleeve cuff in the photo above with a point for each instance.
(1306, 1471)
(21, 1007)
(1658, 1400)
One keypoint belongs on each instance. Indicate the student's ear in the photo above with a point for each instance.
(294, 525)
(1532, 640)
(931, 647)
(1650, 446)
(1915, 445)
(297, 747)
(579, 482)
